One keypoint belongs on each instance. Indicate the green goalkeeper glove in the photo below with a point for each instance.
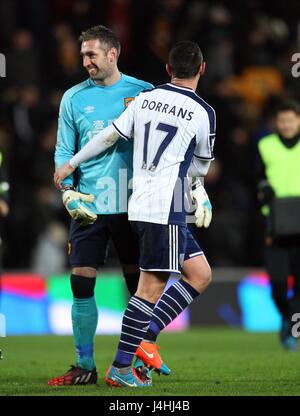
(200, 199)
(72, 201)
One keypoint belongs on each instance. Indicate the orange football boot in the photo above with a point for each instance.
(148, 353)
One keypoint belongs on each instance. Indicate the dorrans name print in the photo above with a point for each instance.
(168, 109)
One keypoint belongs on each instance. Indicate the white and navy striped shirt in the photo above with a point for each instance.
(170, 126)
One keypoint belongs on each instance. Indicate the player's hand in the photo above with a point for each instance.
(203, 212)
(61, 173)
(73, 202)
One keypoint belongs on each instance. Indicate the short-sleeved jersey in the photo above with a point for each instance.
(86, 109)
(170, 126)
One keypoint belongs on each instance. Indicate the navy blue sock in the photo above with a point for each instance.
(135, 324)
(171, 304)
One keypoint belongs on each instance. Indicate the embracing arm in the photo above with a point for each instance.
(102, 141)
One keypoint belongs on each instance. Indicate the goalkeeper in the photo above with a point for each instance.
(98, 207)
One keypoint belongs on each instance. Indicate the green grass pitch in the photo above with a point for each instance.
(203, 362)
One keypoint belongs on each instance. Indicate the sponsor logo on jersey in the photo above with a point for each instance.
(89, 109)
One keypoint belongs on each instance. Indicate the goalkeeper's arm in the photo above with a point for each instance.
(101, 142)
(198, 169)
(67, 136)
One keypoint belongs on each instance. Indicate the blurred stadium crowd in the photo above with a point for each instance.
(248, 47)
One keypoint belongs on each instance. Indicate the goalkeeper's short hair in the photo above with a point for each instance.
(105, 35)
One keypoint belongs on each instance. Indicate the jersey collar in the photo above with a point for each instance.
(115, 85)
(181, 88)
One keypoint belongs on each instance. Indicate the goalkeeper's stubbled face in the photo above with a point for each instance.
(96, 60)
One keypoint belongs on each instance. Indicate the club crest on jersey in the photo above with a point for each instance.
(127, 101)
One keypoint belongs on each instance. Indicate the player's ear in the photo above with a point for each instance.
(113, 54)
(169, 70)
(202, 68)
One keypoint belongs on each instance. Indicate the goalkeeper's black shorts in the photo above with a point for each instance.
(88, 246)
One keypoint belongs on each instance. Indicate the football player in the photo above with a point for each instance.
(97, 202)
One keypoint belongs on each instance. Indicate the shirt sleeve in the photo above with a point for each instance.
(67, 136)
(198, 167)
(101, 142)
(205, 137)
(125, 123)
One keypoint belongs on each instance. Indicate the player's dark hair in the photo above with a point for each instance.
(185, 58)
(105, 35)
(288, 105)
